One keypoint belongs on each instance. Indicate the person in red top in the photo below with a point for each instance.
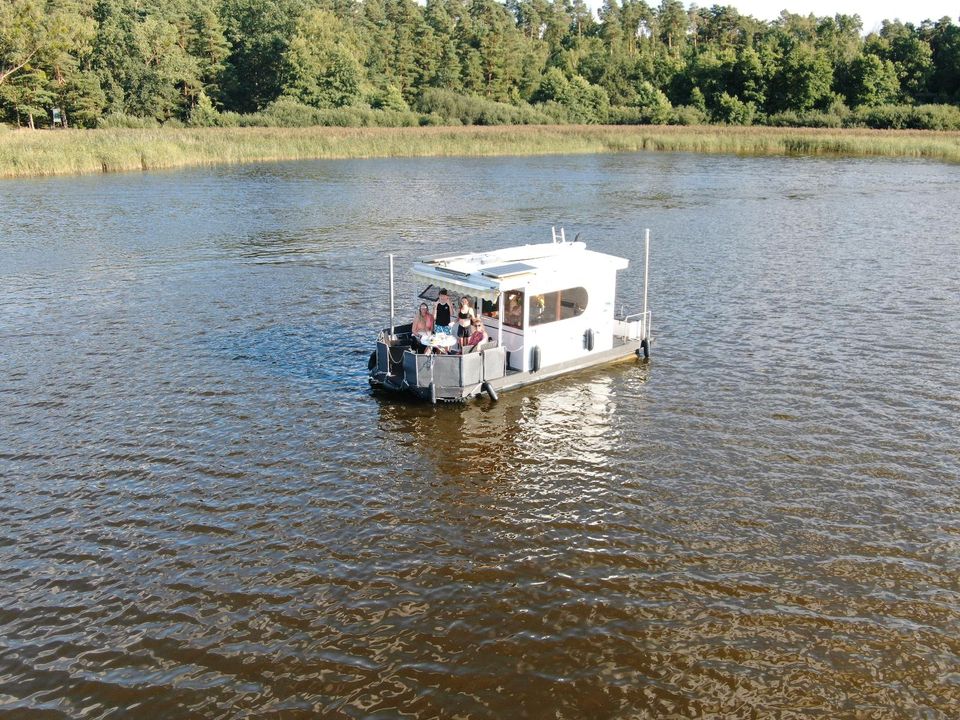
(478, 336)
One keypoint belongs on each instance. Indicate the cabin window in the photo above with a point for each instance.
(513, 308)
(560, 305)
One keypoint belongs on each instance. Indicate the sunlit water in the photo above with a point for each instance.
(205, 513)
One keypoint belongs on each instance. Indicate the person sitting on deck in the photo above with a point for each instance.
(422, 324)
(477, 337)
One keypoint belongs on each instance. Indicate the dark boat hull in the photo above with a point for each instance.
(419, 377)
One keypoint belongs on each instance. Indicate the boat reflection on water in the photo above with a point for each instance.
(571, 425)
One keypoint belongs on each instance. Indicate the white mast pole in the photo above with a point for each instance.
(500, 319)
(391, 297)
(646, 273)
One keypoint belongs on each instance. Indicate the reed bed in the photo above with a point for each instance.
(25, 153)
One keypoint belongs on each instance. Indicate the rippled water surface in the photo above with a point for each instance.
(205, 513)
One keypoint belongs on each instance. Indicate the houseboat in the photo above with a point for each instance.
(548, 309)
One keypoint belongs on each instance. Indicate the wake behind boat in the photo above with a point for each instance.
(548, 309)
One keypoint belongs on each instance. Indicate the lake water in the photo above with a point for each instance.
(205, 512)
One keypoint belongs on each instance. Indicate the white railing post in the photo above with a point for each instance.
(646, 273)
(391, 297)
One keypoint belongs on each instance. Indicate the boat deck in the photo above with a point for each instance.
(403, 375)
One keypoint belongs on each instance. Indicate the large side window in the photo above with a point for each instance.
(573, 302)
(561, 305)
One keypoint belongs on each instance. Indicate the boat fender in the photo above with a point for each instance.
(433, 394)
(372, 362)
(645, 346)
(535, 359)
(588, 339)
(488, 388)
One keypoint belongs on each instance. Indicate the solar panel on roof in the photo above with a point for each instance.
(502, 271)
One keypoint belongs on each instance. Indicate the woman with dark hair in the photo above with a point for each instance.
(465, 318)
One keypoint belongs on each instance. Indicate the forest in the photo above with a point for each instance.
(293, 63)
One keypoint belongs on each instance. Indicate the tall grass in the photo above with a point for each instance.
(31, 153)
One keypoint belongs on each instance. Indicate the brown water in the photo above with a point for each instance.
(205, 513)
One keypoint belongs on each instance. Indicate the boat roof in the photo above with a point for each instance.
(483, 274)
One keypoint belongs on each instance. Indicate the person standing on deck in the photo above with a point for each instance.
(443, 313)
(465, 318)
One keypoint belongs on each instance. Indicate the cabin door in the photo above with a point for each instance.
(511, 328)
(512, 341)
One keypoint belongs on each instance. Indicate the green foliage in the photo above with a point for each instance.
(837, 115)
(389, 98)
(472, 110)
(582, 102)
(258, 32)
(321, 67)
(802, 81)
(120, 120)
(620, 115)
(907, 117)
(291, 62)
(203, 113)
(23, 35)
(29, 95)
(812, 119)
(909, 54)
(689, 115)
(732, 110)
(84, 99)
(936, 117)
(287, 112)
(872, 81)
(654, 107)
(698, 100)
(944, 40)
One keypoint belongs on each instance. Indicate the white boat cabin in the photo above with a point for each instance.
(546, 304)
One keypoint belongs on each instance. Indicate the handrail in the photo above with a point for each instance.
(644, 318)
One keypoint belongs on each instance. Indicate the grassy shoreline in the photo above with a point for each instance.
(25, 153)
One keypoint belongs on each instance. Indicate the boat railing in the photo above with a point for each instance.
(635, 326)
(400, 333)
(390, 349)
(459, 370)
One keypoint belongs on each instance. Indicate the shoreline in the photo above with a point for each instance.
(45, 153)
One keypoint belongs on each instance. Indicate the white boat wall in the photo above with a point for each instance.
(548, 309)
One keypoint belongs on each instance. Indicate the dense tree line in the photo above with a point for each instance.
(230, 62)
